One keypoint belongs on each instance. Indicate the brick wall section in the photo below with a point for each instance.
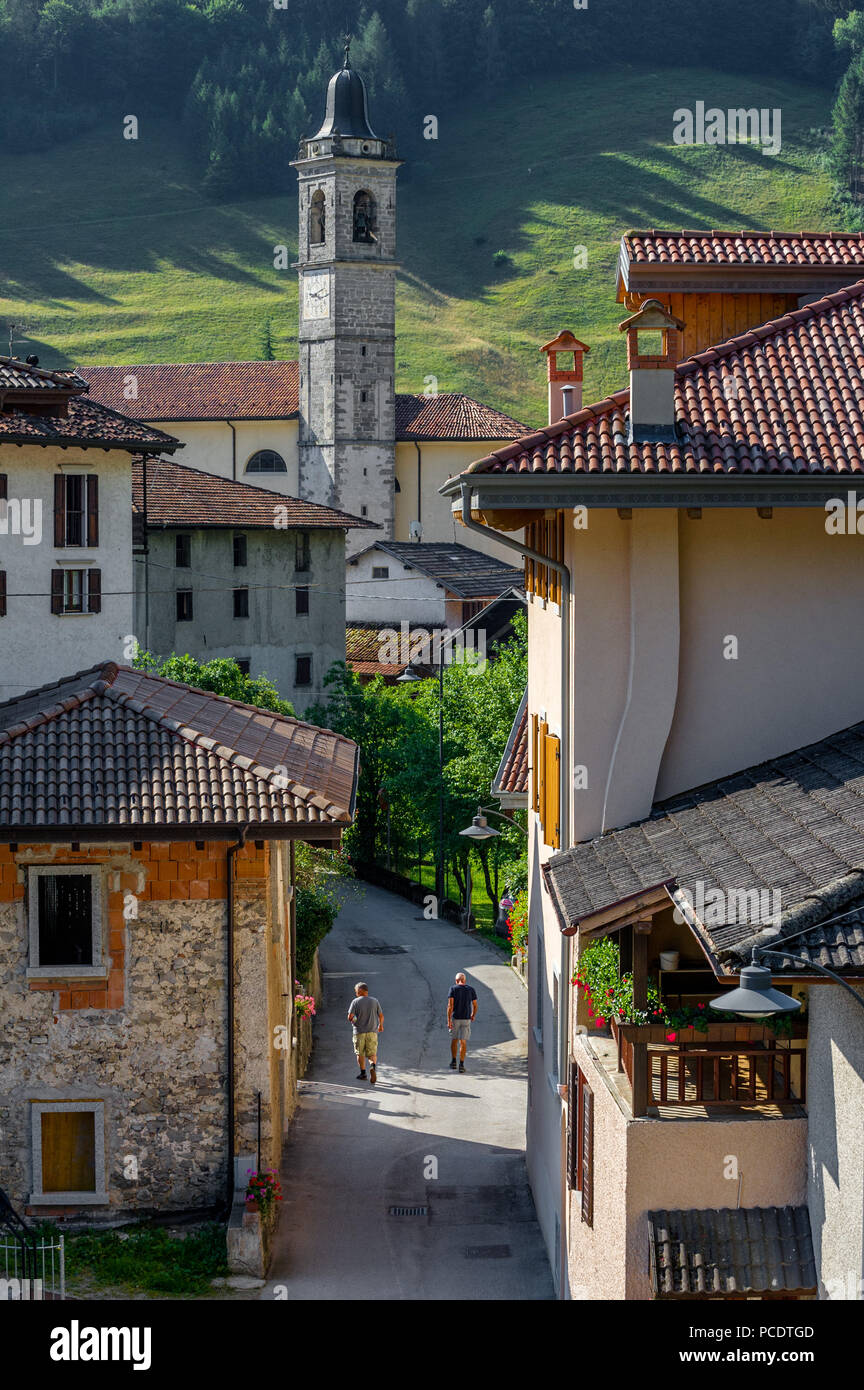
(158, 872)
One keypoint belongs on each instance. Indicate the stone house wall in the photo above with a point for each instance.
(150, 1042)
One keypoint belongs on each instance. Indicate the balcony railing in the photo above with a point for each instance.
(747, 1070)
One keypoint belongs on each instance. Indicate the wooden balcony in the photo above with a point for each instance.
(729, 1066)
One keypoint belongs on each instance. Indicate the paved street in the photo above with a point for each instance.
(356, 1151)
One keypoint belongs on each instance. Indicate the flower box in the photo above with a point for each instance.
(732, 1032)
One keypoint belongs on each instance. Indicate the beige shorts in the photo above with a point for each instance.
(366, 1044)
(461, 1029)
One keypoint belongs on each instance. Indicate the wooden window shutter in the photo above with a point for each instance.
(57, 590)
(2, 593)
(69, 1151)
(573, 1128)
(59, 510)
(535, 763)
(552, 784)
(94, 591)
(92, 509)
(586, 1150)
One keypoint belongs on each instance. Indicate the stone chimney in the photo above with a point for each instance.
(653, 353)
(565, 382)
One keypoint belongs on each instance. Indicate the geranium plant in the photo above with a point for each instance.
(610, 995)
(304, 1004)
(517, 924)
(263, 1189)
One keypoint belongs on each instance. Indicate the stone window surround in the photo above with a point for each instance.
(99, 1197)
(99, 969)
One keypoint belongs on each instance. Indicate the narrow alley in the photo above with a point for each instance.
(424, 1138)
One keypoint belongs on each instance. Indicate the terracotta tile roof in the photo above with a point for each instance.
(452, 416)
(786, 398)
(115, 749)
(363, 643)
(462, 571)
(511, 779)
(793, 825)
(745, 248)
(181, 496)
(78, 421)
(16, 375)
(269, 391)
(200, 390)
(736, 1252)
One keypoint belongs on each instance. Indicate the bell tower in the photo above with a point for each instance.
(347, 340)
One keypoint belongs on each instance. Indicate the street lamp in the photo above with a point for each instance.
(480, 829)
(755, 998)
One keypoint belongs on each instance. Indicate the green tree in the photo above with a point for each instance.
(847, 150)
(221, 677)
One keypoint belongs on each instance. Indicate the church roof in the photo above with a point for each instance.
(178, 391)
(347, 110)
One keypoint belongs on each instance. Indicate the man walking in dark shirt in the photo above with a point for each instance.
(461, 1012)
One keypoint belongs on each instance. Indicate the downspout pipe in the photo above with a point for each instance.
(564, 993)
(232, 851)
(419, 483)
(233, 450)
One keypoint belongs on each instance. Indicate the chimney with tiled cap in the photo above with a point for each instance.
(565, 382)
(653, 353)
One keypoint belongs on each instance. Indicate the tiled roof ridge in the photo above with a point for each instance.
(742, 231)
(211, 745)
(770, 329)
(105, 672)
(546, 433)
(69, 379)
(808, 912)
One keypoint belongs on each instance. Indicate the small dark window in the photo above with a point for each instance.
(363, 396)
(380, 571)
(301, 554)
(239, 552)
(244, 664)
(363, 509)
(184, 605)
(303, 670)
(301, 601)
(183, 551)
(241, 603)
(266, 461)
(65, 905)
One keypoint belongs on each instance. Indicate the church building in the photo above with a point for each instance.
(331, 428)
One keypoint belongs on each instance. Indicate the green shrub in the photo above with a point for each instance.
(316, 913)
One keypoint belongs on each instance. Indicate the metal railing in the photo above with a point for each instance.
(32, 1264)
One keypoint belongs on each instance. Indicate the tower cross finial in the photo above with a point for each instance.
(347, 62)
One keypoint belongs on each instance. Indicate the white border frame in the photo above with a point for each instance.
(99, 968)
(98, 1197)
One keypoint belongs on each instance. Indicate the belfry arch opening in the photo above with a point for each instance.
(365, 217)
(317, 218)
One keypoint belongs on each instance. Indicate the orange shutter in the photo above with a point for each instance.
(535, 764)
(552, 780)
(542, 731)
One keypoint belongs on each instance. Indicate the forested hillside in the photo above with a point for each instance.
(243, 78)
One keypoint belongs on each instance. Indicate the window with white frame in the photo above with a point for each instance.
(65, 920)
(68, 1153)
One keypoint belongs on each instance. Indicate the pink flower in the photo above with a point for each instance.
(671, 1037)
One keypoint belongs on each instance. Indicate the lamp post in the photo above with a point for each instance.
(480, 829)
(756, 998)
(409, 675)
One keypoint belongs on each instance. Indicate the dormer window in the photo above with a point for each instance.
(365, 217)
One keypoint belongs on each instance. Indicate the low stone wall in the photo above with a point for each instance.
(415, 892)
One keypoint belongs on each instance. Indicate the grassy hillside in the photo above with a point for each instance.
(108, 253)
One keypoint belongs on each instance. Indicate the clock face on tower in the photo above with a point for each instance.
(316, 295)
